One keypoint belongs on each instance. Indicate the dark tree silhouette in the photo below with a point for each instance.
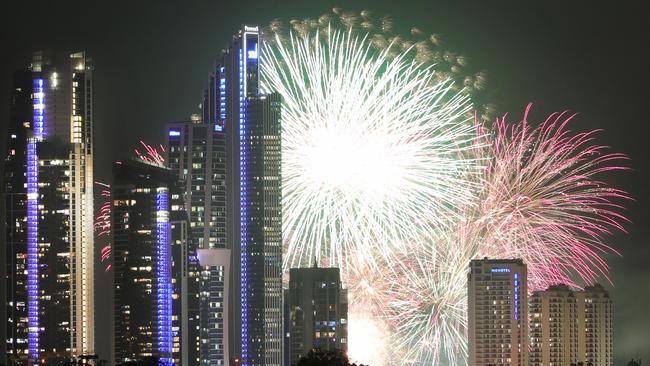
(319, 357)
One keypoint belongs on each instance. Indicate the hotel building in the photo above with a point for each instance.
(498, 312)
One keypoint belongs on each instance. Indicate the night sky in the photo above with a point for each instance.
(152, 59)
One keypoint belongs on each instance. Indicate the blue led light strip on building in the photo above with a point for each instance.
(222, 94)
(39, 123)
(32, 249)
(163, 277)
(516, 296)
(32, 223)
(243, 215)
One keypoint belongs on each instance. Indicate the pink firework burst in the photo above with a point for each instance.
(543, 201)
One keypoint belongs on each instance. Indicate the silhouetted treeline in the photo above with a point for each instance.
(319, 357)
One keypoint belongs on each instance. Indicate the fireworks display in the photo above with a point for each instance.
(151, 154)
(103, 224)
(426, 305)
(372, 145)
(543, 201)
(386, 177)
(377, 141)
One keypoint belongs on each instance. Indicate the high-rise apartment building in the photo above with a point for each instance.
(254, 207)
(229, 161)
(81, 205)
(195, 152)
(54, 252)
(598, 339)
(49, 212)
(497, 312)
(317, 311)
(147, 203)
(569, 326)
(185, 286)
(554, 327)
(14, 313)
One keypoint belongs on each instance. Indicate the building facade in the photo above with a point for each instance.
(14, 313)
(569, 326)
(317, 311)
(49, 211)
(81, 197)
(254, 208)
(598, 336)
(185, 286)
(146, 202)
(554, 327)
(195, 152)
(497, 312)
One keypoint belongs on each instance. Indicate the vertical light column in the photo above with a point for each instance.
(222, 93)
(82, 210)
(32, 250)
(243, 203)
(516, 296)
(32, 224)
(163, 277)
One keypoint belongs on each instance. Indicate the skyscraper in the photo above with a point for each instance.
(143, 198)
(254, 209)
(498, 312)
(553, 327)
(196, 154)
(230, 163)
(598, 341)
(317, 311)
(82, 213)
(185, 286)
(571, 326)
(14, 311)
(49, 223)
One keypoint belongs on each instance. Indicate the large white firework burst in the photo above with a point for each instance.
(380, 161)
(371, 145)
(375, 131)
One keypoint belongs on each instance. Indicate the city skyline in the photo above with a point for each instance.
(622, 267)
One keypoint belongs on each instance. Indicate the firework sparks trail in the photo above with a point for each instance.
(103, 224)
(371, 146)
(426, 305)
(151, 154)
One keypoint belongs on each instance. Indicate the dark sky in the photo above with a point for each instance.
(152, 59)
